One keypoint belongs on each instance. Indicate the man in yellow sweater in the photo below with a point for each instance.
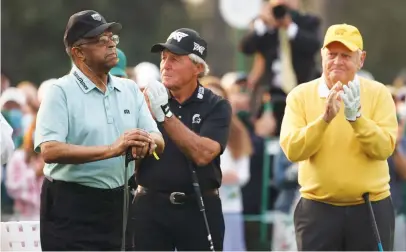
(341, 128)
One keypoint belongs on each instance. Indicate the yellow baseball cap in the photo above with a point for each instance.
(346, 34)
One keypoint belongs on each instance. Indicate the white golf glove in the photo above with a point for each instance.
(158, 99)
(352, 101)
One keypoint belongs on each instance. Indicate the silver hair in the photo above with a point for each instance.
(197, 60)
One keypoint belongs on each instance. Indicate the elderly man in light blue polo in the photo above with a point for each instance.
(85, 124)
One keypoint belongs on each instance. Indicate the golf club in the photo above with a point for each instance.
(373, 221)
(199, 198)
(128, 158)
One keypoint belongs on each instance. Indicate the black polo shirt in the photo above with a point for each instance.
(209, 116)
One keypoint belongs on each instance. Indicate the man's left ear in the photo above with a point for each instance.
(363, 56)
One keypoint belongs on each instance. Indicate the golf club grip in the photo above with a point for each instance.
(373, 221)
(196, 187)
(128, 157)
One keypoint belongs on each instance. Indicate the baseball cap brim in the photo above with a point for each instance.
(353, 47)
(113, 27)
(116, 71)
(172, 48)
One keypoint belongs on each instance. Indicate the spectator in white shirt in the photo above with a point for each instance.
(235, 166)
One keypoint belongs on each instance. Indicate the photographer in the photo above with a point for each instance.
(284, 42)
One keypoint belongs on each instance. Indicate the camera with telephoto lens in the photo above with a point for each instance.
(280, 11)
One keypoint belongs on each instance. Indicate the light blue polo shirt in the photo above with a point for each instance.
(76, 112)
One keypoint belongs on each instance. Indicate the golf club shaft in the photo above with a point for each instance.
(373, 221)
(128, 159)
(199, 197)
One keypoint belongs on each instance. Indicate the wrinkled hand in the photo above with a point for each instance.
(141, 152)
(131, 138)
(158, 100)
(333, 104)
(352, 101)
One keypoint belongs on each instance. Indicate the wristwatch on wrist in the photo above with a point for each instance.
(167, 111)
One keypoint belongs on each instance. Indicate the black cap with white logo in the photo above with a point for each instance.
(87, 24)
(183, 41)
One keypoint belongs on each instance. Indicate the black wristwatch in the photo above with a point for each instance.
(167, 111)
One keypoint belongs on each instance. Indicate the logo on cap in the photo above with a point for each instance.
(340, 32)
(96, 17)
(178, 36)
(198, 48)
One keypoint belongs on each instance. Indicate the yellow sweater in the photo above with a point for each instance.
(339, 161)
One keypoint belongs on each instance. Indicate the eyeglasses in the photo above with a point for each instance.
(103, 40)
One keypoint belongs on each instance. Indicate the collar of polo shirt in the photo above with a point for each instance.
(323, 88)
(197, 95)
(86, 84)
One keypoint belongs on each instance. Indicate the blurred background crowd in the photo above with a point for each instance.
(254, 65)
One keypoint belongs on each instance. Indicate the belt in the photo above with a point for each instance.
(176, 198)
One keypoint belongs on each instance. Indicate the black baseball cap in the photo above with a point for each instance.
(87, 24)
(183, 41)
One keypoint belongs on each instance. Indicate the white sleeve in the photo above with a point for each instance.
(6, 142)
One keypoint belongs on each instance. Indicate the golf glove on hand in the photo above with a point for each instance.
(158, 99)
(352, 101)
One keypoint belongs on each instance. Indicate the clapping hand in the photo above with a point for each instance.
(352, 101)
(333, 104)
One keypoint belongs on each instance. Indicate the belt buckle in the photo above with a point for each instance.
(173, 200)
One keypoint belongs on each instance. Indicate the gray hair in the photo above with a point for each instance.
(197, 60)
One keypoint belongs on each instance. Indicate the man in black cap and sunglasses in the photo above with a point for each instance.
(165, 214)
(85, 124)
